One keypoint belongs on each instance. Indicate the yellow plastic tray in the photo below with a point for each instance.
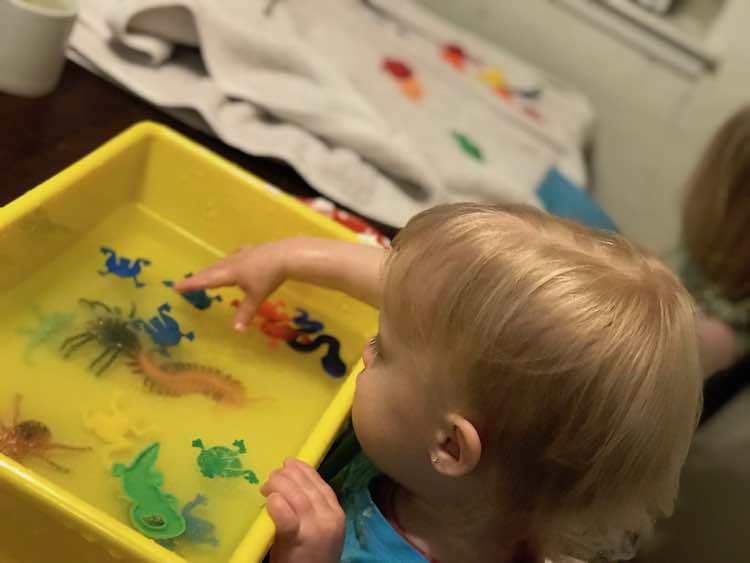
(202, 198)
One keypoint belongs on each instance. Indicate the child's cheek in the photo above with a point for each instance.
(359, 388)
(365, 390)
(367, 357)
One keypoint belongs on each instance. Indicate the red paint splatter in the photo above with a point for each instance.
(404, 75)
(533, 113)
(397, 68)
(503, 92)
(453, 54)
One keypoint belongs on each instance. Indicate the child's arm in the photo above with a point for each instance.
(717, 344)
(309, 521)
(352, 268)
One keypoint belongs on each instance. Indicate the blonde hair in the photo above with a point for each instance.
(717, 209)
(579, 355)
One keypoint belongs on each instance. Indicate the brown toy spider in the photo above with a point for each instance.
(29, 438)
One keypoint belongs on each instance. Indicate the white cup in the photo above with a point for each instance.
(33, 38)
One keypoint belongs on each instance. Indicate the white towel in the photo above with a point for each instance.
(305, 82)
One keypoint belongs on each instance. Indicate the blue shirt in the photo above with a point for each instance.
(369, 537)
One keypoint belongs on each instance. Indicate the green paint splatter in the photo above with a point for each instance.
(468, 146)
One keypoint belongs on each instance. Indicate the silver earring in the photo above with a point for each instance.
(435, 459)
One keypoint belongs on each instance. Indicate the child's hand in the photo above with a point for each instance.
(309, 520)
(258, 270)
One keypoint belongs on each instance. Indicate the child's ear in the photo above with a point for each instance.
(457, 448)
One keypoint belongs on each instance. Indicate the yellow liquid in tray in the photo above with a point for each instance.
(287, 390)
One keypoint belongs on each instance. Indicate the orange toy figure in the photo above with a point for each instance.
(272, 311)
(275, 323)
(28, 438)
(278, 332)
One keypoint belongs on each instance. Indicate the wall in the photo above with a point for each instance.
(652, 121)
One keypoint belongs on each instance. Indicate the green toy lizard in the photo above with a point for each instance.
(154, 513)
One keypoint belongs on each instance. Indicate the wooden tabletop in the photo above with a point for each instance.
(41, 136)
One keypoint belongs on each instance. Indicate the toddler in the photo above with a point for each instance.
(531, 394)
(714, 261)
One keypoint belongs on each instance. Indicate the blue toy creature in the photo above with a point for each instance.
(198, 298)
(197, 529)
(331, 361)
(122, 267)
(163, 329)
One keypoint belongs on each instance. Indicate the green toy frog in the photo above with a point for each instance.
(224, 462)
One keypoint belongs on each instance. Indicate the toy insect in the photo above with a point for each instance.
(113, 331)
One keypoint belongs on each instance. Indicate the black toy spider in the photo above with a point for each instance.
(110, 330)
